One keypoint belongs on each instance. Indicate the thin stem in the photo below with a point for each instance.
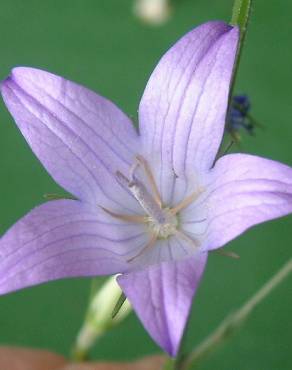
(240, 13)
(170, 364)
(240, 18)
(233, 322)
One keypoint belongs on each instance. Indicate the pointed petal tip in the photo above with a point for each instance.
(57, 240)
(19, 73)
(10, 76)
(52, 112)
(6, 90)
(175, 111)
(162, 296)
(4, 82)
(249, 190)
(215, 26)
(171, 349)
(235, 32)
(219, 25)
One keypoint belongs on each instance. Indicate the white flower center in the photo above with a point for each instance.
(165, 229)
(162, 222)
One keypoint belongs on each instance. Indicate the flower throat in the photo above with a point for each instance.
(162, 222)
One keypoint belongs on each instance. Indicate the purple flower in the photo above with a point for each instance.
(150, 205)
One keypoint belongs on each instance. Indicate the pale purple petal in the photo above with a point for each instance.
(162, 296)
(175, 248)
(80, 137)
(245, 190)
(182, 112)
(65, 238)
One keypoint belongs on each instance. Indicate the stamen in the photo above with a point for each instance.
(227, 253)
(129, 218)
(150, 244)
(142, 161)
(193, 243)
(133, 170)
(122, 178)
(187, 201)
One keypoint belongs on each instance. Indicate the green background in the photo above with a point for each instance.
(100, 44)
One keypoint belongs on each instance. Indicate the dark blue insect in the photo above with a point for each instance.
(239, 117)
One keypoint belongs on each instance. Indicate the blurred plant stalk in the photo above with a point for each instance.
(233, 322)
(99, 318)
(240, 18)
(153, 12)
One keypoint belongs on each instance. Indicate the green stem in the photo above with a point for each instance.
(240, 13)
(233, 322)
(240, 17)
(170, 364)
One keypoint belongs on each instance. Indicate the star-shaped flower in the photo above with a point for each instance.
(150, 205)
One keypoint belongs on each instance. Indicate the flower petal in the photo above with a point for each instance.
(80, 137)
(162, 296)
(245, 190)
(65, 238)
(182, 112)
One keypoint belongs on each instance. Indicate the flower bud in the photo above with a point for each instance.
(99, 317)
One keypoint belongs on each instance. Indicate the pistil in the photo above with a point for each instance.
(130, 218)
(147, 202)
(151, 204)
(162, 222)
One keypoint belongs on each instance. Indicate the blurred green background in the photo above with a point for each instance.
(100, 44)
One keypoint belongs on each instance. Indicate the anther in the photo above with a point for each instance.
(142, 161)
